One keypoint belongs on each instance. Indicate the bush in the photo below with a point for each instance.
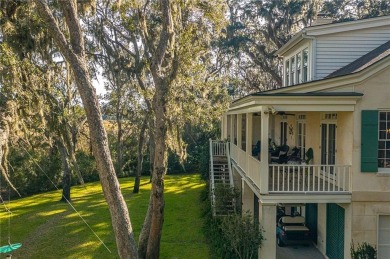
(38, 170)
(27, 177)
(233, 236)
(363, 251)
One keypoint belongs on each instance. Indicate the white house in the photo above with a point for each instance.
(336, 102)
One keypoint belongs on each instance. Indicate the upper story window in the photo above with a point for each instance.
(384, 140)
(305, 65)
(296, 69)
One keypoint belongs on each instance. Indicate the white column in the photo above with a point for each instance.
(264, 153)
(232, 117)
(224, 126)
(239, 130)
(267, 219)
(249, 123)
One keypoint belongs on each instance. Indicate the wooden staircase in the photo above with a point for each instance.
(221, 179)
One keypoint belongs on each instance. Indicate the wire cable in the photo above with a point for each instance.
(67, 201)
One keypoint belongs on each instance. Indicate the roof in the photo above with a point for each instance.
(364, 61)
(306, 95)
(318, 94)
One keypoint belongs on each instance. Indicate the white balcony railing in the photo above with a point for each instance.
(293, 178)
(288, 178)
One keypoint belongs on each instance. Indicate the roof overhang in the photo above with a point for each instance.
(296, 103)
(348, 26)
(291, 43)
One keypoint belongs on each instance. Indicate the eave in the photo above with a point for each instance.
(296, 102)
(290, 44)
(348, 26)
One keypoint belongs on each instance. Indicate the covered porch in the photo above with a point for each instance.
(293, 143)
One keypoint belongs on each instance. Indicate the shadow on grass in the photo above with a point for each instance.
(48, 228)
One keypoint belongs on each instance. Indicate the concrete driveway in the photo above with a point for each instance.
(298, 251)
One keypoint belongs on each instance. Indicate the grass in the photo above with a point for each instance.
(48, 228)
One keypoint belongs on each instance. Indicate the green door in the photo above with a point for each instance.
(334, 231)
(311, 220)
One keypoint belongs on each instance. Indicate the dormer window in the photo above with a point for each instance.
(293, 67)
(287, 72)
(305, 61)
(296, 69)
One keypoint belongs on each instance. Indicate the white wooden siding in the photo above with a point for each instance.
(339, 49)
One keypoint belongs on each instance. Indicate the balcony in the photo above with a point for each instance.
(308, 179)
(295, 181)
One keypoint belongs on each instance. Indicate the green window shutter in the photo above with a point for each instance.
(369, 140)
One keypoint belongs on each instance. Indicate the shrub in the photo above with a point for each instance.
(243, 234)
(363, 251)
(233, 236)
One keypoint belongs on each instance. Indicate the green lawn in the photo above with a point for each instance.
(50, 229)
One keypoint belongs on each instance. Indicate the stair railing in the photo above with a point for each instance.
(230, 171)
(227, 148)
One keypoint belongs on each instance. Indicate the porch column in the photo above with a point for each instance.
(224, 128)
(249, 122)
(232, 117)
(239, 130)
(264, 153)
(267, 219)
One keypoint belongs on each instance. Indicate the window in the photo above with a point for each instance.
(283, 133)
(383, 236)
(297, 68)
(287, 73)
(292, 71)
(305, 54)
(384, 140)
(329, 116)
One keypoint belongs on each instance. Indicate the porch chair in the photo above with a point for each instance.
(280, 155)
(295, 156)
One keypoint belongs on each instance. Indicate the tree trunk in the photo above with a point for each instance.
(66, 178)
(119, 149)
(140, 156)
(145, 232)
(152, 144)
(73, 51)
(163, 71)
(160, 167)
